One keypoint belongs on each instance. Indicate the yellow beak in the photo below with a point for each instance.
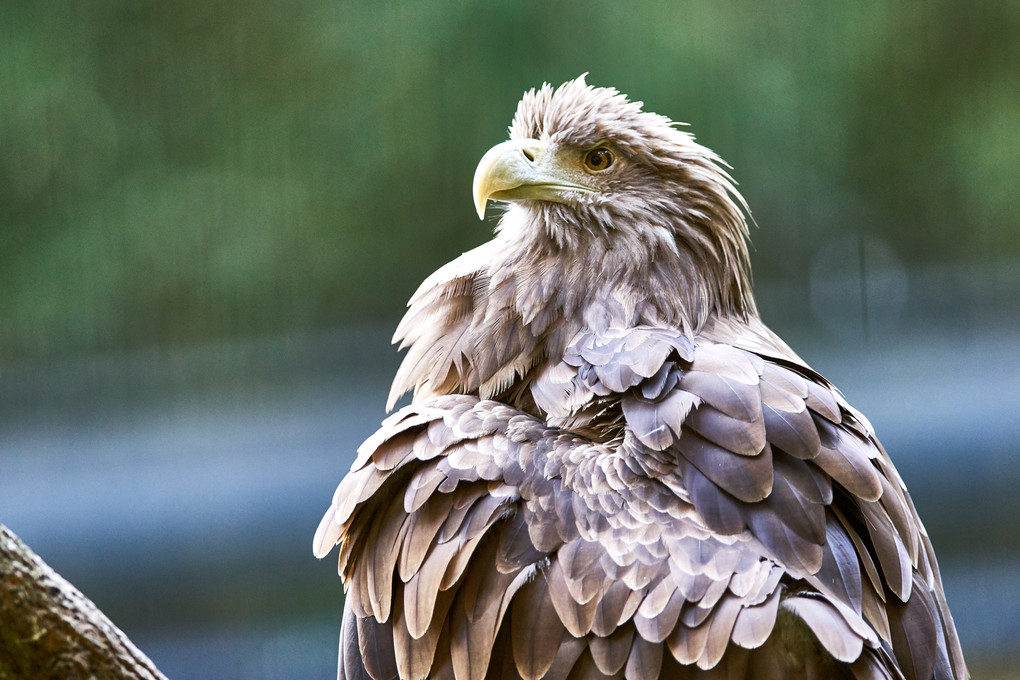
(524, 169)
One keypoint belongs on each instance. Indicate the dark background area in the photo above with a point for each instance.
(211, 215)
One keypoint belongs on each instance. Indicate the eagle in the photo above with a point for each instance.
(610, 467)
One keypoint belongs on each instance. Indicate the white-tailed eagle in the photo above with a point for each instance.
(611, 468)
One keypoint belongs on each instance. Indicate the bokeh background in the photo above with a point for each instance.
(211, 215)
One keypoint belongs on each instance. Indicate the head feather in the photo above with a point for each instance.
(662, 242)
(675, 200)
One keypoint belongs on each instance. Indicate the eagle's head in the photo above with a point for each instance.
(588, 171)
(616, 219)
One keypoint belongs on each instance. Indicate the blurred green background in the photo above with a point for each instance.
(172, 172)
(217, 210)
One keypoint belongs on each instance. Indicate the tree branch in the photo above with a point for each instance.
(48, 629)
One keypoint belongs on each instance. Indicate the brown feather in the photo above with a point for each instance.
(892, 554)
(828, 626)
(914, 635)
(799, 555)
(612, 609)
(415, 654)
(822, 401)
(784, 380)
(745, 438)
(572, 662)
(464, 502)
(793, 431)
(385, 543)
(536, 630)
(657, 424)
(802, 514)
(422, 527)
(687, 645)
(754, 624)
(720, 627)
(730, 396)
(422, 591)
(780, 394)
(840, 573)
(644, 661)
(577, 617)
(422, 485)
(725, 360)
(582, 668)
(375, 642)
(720, 510)
(747, 478)
(900, 511)
(463, 552)
(656, 626)
(854, 474)
(578, 561)
(610, 653)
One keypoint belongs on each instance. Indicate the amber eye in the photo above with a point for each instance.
(598, 159)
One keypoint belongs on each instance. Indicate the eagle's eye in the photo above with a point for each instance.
(598, 159)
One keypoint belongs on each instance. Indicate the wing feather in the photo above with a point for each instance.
(746, 478)
(577, 617)
(644, 661)
(793, 431)
(754, 623)
(735, 398)
(478, 539)
(828, 625)
(687, 644)
(536, 630)
(745, 438)
(892, 554)
(720, 628)
(855, 474)
(610, 652)
(422, 526)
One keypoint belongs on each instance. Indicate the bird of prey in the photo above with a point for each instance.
(610, 467)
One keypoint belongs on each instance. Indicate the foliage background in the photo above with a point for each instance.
(205, 206)
(173, 171)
